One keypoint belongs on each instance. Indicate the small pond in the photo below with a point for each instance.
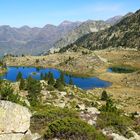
(84, 83)
(121, 70)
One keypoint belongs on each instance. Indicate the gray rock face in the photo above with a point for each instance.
(14, 121)
(85, 28)
(11, 136)
(13, 118)
(26, 40)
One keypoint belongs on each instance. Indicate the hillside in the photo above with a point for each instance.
(85, 28)
(125, 34)
(27, 40)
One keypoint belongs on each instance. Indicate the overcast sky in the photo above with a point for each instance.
(38, 13)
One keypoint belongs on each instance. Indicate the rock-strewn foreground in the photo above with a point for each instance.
(14, 122)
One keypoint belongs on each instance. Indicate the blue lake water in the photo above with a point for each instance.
(84, 83)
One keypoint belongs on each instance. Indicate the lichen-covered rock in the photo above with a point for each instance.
(14, 118)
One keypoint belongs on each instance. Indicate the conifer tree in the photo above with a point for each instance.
(19, 76)
(51, 80)
(62, 79)
(70, 81)
(22, 84)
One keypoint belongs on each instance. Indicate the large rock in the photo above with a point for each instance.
(11, 136)
(14, 118)
(15, 122)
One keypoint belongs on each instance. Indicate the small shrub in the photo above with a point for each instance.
(104, 96)
(72, 128)
(19, 76)
(118, 122)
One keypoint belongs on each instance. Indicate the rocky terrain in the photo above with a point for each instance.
(85, 28)
(15, 122)
(125, 34)
(36, 41)
(55, 107)
(51, 109)
(27, 40)
(125, 86)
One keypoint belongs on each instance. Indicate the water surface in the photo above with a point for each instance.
(84, 83)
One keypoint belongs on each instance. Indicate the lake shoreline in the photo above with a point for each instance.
(85, 83)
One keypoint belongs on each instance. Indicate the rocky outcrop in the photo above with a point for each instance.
(14, 121)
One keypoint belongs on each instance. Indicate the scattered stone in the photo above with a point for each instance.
(81, 107)
(63, 93)
(93, 110)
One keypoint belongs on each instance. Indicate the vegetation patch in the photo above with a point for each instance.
(72, 128)
(122, 69)
(43, 115)
(113, 119)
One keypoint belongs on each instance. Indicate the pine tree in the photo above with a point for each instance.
(34, 88)
(70, 81)
(41, 76)
(62, 79)
(51, 80)
(19, 76)
(22, 84)
(46, 77)
(104, 96)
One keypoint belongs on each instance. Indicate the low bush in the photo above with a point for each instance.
(118, 122)
(111, 117)
(72, 128)
(46, 114)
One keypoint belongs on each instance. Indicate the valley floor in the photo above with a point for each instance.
(125, 88)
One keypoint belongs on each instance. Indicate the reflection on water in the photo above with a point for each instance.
(84, 83)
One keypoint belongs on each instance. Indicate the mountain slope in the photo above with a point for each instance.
(114, 20)
(26, 40)
(125, 34)
(85, 28)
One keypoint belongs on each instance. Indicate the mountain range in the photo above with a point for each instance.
(35, 41)
(26, 40)
(124, 34)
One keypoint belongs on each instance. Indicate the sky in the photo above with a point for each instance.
(38, 13)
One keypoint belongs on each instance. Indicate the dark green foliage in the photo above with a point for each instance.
(19, 76)
(42, 76)
(5, 90)
(62, 78)
(37, 61)
(119, 122)
(111, 117)
(109, 107)
(2, 64)
(7, 93)
(122, 70)
(70, 81)
(34, 87)
(47, 114)
(22, 85)
(46, 77)
(72, 128)
(51, 80)
(104, 96)
(59, 85)
(60, 82)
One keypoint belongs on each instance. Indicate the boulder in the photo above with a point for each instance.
(11, 136)
(14, 118)
(93, 110)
